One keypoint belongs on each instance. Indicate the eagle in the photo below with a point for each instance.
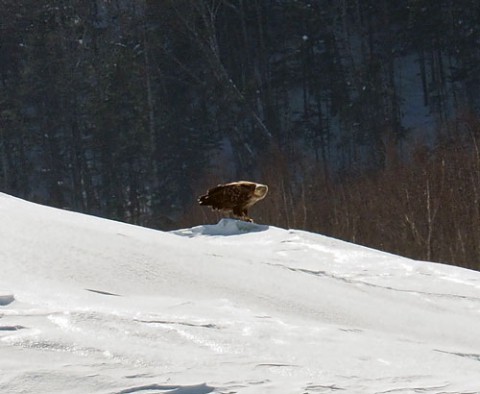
(234, 197)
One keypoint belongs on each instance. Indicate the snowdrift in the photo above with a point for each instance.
(89, 305)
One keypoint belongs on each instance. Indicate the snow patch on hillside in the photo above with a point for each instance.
(95, 306)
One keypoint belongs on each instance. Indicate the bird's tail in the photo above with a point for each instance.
(204, 200)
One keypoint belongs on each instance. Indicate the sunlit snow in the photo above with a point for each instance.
(89, 305)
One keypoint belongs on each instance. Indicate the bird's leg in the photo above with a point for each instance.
(235, 213)
(245, 217)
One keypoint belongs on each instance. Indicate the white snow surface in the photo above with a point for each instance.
(89, 305)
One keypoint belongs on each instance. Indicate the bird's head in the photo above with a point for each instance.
(260, 191)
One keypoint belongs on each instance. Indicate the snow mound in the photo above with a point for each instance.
(6, 299)
(223, 227)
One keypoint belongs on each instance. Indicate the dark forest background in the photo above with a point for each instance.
(361, 115)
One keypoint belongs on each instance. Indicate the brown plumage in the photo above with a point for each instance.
(235, 197)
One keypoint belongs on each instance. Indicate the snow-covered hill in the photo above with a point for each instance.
(89, 305)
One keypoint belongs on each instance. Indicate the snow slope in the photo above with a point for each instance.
(89, 305)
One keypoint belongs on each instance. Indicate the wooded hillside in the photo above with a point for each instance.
(361, 115)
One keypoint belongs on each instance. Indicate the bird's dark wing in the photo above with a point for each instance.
(228, 196)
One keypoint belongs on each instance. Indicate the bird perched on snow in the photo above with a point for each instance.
(234, 197)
